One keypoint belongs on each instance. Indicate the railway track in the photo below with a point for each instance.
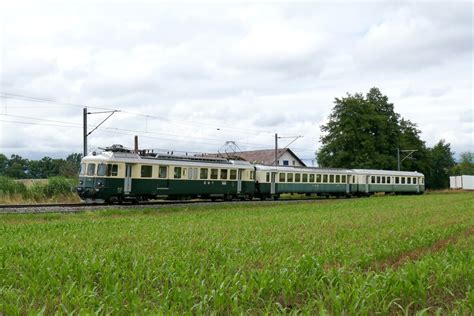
(80, 207)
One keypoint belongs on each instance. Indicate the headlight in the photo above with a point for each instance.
(81, 182)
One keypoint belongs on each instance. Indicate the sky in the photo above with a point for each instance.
(187, 77)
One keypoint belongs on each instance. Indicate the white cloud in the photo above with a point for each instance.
(208, 73)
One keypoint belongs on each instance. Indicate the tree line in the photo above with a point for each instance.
(365, 132)
(20, 168)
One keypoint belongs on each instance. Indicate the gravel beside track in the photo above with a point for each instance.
(71, 208)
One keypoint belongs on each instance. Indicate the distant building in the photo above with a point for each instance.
(286, 157)
(461, 182)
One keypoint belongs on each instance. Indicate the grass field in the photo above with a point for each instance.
(389, 255)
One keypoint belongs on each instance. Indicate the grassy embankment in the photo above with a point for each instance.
(389, 255)
(55, 189)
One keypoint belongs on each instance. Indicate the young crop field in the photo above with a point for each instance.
(388, 255)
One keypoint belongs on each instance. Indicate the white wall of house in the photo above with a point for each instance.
(462, 182)
(289, 159)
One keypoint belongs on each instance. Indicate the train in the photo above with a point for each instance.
(117, 175)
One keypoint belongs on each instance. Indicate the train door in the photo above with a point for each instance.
(367, 179)
(273, 184)
(348, 181)
(127, 185)
(239, 180)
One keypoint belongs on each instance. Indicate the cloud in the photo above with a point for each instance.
(207, 73)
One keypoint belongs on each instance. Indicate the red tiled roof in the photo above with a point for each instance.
(264, 157)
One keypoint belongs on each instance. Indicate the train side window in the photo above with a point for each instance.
(281, 177)
(91, 169)
(289, 177)
(414, 180)
(383, 179)
(372, 179)
(177, 172)
(311, 178)
(233, 174)
(422, 180)
(318, 178)
(403, 180)
(389, 179)
(297, 177)
(397, 180)
(305, 177)
(146, 171)
(214, 173)
(331, 178)
(112, 170)
(343, 178)
(378, 179)
(325, 178)
(83, 169)
(223, 174)
(408, 180)
(163, 172)
(338, 178)
(267, 178)
(203, 174)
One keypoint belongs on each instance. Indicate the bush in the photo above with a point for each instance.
(9, 186)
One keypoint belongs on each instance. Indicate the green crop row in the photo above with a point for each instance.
(388, 255)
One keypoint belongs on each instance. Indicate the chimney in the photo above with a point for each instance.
(136, 145)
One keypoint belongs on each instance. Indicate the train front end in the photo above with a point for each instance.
(93, 183)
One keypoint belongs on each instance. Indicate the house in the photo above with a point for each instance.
(286, 157)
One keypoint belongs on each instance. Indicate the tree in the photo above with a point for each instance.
(441, 161)
(465, 166)
(17, 167)
(3, 164)
(364, 132)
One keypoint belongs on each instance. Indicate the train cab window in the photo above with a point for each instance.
(325, 178)
(83, 169)
(305, 177)
(112, 170)
(414, 180)
(311, 178)
(177, 172)
(267, 177)
(91, 169)
(343, 178)
(185, 170)
(163, 172)
(331, 178)
(223, 174)
(233, 175)
(281, 177)
(408, 180)
(146, 171)
(338, 178)
(297, 177)
(422, 180)
(214, 173)
(203, 173)
(252, 175)
(318, 178)
(403, 180)
(289, 177)
(101, 169)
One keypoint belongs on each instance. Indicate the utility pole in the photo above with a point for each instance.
(408, 152)
(84, 129)
(275, 162)
(84, 119)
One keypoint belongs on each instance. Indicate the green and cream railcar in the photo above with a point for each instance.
(117, 176)
(401, 182)
(273, 181)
